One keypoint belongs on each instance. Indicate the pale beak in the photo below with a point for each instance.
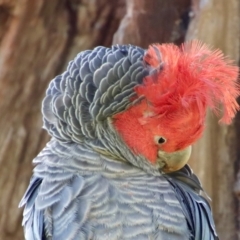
(171, 162)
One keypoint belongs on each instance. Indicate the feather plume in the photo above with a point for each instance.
(190, 78)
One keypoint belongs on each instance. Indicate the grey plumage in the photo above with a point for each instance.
(87, 184)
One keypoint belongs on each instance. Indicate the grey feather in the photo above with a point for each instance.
(196, 208)
(87, 184)
(33, 218)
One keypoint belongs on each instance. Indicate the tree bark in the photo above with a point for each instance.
(152, 21)
(37, 39)
(217, 22)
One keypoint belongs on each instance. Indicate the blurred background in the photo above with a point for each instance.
(37, 40)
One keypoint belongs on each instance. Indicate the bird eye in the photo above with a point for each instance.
(160, 140)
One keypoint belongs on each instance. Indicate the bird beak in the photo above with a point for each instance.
(171, 162)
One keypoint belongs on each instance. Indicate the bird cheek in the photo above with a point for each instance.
(152, 154)
(167, 147)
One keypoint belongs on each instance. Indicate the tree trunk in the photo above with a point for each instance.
(217, 22)
(151, 21)
(37, 39)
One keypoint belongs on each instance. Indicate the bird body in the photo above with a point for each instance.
(114, 168)
(77, 193)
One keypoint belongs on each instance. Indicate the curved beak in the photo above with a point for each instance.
(171, 162)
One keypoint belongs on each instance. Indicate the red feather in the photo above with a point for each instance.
(192, 77)
(183, 83)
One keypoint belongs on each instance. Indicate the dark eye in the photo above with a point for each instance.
(160, 140)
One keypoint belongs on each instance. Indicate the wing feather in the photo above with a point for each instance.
(196, 208)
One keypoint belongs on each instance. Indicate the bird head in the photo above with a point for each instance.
(183, 82)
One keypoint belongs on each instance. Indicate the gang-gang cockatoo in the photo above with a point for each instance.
(122, 122)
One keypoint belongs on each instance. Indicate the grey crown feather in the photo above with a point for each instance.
(77, 192)
(97, 84)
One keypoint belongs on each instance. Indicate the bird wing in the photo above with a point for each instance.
(196, 208)
(32, 218)
(53, 196)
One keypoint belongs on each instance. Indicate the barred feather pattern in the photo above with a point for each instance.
(77, 193)
(96, 85)
(87, 184)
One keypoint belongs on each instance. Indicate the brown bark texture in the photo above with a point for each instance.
(38, 38)
(153, 21)
(216, 155)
